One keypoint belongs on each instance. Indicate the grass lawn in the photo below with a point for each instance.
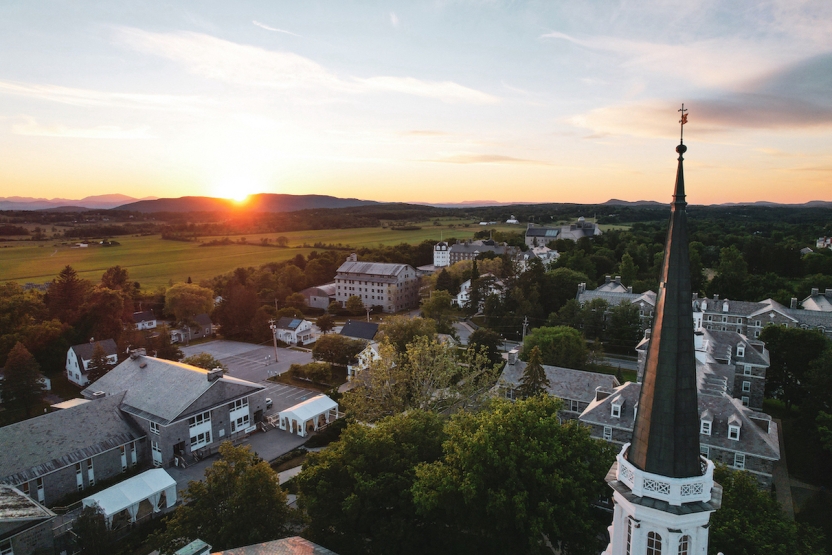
(339, 376)
(150, 260)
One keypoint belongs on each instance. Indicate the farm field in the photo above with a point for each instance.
(150, 260)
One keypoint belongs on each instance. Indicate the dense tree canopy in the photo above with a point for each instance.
(186, 300)
(205, 361)
(22, 384)
(559, 346)
(401, 330)
(792, 351)
(337, 349)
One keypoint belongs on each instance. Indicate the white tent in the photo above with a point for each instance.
(310, 412)
(127, 495)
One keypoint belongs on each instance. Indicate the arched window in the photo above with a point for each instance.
(654, 544)
(684, 545)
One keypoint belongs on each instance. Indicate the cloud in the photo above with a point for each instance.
(33, 129)
(488, 159)
(251, 66)
(792, 97)
(274, 29)
(424, 133)
(394, 19)
(90, 97)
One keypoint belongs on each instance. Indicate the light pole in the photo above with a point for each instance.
(273, 326)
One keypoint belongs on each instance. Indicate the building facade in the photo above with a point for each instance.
(441, 254)
(78, 358)
(393, 287)
(749, 318)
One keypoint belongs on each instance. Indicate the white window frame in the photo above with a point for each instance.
(745, 400)
(608, 433)
(154, 428)
(79, 476)
(616, 410)
(6, 548)
(201, 418)
(705, 427)
(573, 405)
(740, 350)
(200, 440)
(240, 424)
(733, 432)
(739, 461)
(746, 371)
(90, 472)
(705, 451)
(684, 545)
(746, 387)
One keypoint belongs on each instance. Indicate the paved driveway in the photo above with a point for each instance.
(248, 361)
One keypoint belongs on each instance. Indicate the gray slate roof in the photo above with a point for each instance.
(18, 512)
(143, 316)
(372, 268)
(84, 350)
(286, 323)
(164, 391)
(360, 330)
(719, 341)
(46, 443)
(551, 232)
(615, 298)
(287, 546)
(564, 383)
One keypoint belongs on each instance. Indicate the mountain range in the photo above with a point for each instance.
(263, 202)
(94, 202)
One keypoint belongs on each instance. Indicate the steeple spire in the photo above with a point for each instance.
(666, 435)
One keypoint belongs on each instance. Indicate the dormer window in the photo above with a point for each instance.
(705, 427)
(740, 350)
(616, 410)
(733, 432)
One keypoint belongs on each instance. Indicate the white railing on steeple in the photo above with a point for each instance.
(675, 491)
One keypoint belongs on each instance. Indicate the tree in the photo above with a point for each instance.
(750, 521)
(792, 351)
(204, 361)
(163, 347)
(475, 272)
(116, 277)
(490, 340)
(91, 531)
(238, 503)
(731, 274)
(593, 318)
(559, 346)
(512, 477)
(628, 269)
(237, 310)
(334, 307)
(22, 382)
(296, 300)
(564, 286)
(98, 365)
(355, 305)
(325, 323)
(438, 308)
(401, 330)
(624, 329)
(533, 380)
(337, 349)
(103, 313)
(66, 295)
(357, 492)
(445, 282)
(186, 300)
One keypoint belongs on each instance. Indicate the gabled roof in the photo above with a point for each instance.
(46, 443)
(143, 316)
(84, 350)
(310, 408)
(18, 512)
(360, 330)
(564, 383)
(286, 323)
(203, 320)
(372, 268)
(551, 232)
(287, 546)
(165, 391)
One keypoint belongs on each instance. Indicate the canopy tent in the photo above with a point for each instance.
(127, 495)
(299, 418)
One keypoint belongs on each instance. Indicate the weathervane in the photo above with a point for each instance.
(682, 123)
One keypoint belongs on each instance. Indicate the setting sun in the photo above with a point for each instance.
(236, 189)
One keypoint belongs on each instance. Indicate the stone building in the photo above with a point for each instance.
(749, 318)
(25, 525)
(393, 287)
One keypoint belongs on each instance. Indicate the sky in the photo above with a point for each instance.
(438, 101)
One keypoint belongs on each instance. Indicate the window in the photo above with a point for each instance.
(684, 545)
(200, 440)
(739, 330)
(573, 406)
(746, 387)
(705, 451)
(616, 411)
(654, 544)
(710, 318)
(154, 428)
(629, 535)
(739, 461)
(740, 350)
(757, 323)
(745, 400)
(203, 418)
(734, 433)
(705, 427)
(39, 484)
(238, 404)
(757, 333)
(90, 472)
(239, 424)
(6, 548)
(608, 433)
(24, 487)
(79, 477)
(746, 370)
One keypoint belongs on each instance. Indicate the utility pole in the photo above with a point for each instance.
(273, 326)
(368, 313)
(525, 325)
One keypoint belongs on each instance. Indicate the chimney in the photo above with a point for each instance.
(716, 297)
(815, 291)
(618, 280)
(629, 289)
(512, 356)
(698, 340)
(581, 288)
(828, 293)
(607, 279)
(136, 353)
(214, 375)
(98, 395)
(793, 303)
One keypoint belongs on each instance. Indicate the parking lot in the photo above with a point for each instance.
(248, 361)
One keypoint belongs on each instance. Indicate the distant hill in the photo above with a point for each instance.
(92, 202)
(617, 202)
(264, 202)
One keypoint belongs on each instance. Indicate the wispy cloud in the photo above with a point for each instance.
(274, 29)
(488, 159)
(251, 66)
(394, 19)
(424, 133)
(33, 129)
(90, 97)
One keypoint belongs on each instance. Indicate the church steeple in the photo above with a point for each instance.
(666, 434)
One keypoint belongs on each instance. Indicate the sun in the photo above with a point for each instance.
(237, 189)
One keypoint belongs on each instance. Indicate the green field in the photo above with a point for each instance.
(155, 262)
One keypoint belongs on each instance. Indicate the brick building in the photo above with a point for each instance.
(393, 287)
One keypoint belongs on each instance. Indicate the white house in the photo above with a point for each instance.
(78, 358)
(495, 287)
(293, 330)
(144, 320)
(363, 360)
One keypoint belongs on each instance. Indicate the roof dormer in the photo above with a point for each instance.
(740, 350)
(734, 425)
(706, 422)
(615, 407)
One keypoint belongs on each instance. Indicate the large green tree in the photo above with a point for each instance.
(357, 495)
(559, 346)
(512, 478)
(355, 305)
(533, 380)
(792, 351)
(624, 329)
(22, 385)
(490, 340)
(238, 503)
(337, 349)
(186, 300)
(91, 533)
(98, 365)
(438, 308)
(751, 522)
(66, 295)
(205, 361)
(402, 330)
